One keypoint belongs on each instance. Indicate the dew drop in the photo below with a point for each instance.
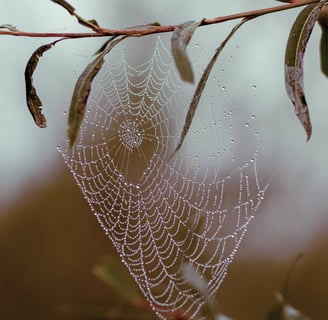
(247, 125)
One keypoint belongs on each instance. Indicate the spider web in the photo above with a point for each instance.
(161, 213)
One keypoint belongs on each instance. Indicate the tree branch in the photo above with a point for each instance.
(138, 32)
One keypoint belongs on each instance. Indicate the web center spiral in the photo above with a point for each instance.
(130, 135)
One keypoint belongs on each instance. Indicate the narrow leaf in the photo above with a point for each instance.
(82, 91)
(92, 24)
(324, 50)
(32, 99)
(194, 279)
(179, 42)
(294, 56)
(65, 5)
(201, 85)
(284, 311)
(105, 44)
(112, 273)
(323, 21)
(9, 27)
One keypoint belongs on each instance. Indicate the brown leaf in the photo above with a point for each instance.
(294, 56)
(65, 5)
(82, 91)
(92, 24)
(201, 85)
(323, 21)
(32, 99)
(179, 42)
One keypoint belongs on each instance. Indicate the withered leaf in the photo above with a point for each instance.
(201, 85)
(92, 24)
(179, 41)
(294, 56)
(32, 99)
(9, 27)
(324, 50)
(82, 91)
(65, 5)
(323, 21)
(105, 44)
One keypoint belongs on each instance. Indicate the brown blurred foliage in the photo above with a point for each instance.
(49, 242)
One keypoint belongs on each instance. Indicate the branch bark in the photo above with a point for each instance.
(138, 32)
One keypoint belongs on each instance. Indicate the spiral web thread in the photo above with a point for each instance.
(161, 213)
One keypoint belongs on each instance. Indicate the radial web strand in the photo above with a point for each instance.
(161, 213)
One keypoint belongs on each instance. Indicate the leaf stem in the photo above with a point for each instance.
(138, 32)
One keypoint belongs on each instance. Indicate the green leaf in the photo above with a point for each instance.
(112, 273)
(201, 85)
(284, 311)
(179, 42)
(32, 99)
(82, 91)
(294, 56)
(281, 309)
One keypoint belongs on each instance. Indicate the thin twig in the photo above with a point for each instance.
(156, 29)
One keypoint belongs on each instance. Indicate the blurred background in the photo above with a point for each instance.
(49, 239)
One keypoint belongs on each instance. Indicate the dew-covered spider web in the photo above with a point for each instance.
(162, 212)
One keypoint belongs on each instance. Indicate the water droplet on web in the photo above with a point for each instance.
(247, 125)
(188, 193)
